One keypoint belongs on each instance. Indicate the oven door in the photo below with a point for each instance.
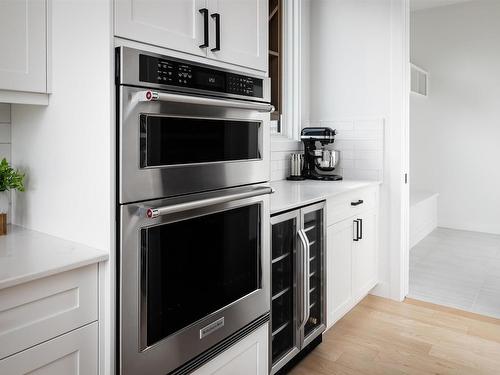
(172, 144)
(193, 270)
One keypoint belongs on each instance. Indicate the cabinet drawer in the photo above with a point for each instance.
(340, 208)
(247, 357)
(39, 310)
(70, 354)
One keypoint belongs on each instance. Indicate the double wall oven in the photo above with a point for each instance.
(193, 209)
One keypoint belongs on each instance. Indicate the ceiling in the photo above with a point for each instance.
(426, 4)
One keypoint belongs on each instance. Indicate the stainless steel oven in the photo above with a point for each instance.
(194, 270)
(205, 129)
(193, 211)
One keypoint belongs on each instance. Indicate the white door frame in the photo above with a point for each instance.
(399, 149)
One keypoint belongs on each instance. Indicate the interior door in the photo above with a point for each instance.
(23, 45)
(174, 24)
(243, 32)
(340, 238)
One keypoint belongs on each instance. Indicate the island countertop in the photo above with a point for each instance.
(27, 255)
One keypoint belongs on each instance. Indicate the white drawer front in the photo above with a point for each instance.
(33, 312)
(340, 208)
(247, 357)
(70, 354)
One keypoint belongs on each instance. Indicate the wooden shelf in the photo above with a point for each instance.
(274, 53)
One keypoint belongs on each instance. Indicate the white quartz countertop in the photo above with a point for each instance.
(26, 255)
(292, 194)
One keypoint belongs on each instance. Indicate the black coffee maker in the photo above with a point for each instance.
(318, 161)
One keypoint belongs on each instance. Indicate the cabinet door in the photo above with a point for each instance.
(174, 24)
(70, 354)
(243, 32)
(314, 283)
(23, 45)
(340, 239)
(365, 255)
(246, 357)
(284, 339)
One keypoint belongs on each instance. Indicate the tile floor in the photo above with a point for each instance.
(458, 269)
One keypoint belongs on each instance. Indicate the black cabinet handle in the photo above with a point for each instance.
(216, 17)
(360, 228)
(357, 203)
(356, 222)
(204, 11)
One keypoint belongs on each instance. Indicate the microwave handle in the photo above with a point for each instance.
(155, 96)
(152, 213)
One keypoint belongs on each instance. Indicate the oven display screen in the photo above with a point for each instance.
(210, 80)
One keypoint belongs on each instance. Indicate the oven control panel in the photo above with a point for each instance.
(177, 73)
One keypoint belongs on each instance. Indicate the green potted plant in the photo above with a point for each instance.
(10, 179)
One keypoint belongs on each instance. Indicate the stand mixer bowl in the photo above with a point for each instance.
(326, 160)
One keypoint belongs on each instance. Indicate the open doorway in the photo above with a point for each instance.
(454, 154)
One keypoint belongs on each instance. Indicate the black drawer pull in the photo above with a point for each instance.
(357, 203)
(204, 11)
(216, 17)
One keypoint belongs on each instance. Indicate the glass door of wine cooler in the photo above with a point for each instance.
(284, 340)
(312, 219)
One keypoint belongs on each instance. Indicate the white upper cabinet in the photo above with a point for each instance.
(243, 32)
(231, 31)
(23, 45)
(174, 24)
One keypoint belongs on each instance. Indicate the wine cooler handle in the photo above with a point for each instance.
(307, 272)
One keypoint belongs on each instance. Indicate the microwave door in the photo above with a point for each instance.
(185, 144)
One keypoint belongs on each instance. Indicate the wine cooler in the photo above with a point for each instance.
(298, 305)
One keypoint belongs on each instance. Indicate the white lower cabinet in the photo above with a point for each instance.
(339, 269)
(72, 353)
(249, 356)
(352, 260)
(364, 254)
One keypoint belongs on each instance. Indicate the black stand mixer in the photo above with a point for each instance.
(318, 161)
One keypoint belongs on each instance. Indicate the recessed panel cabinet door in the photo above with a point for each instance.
(365, 256)
(243, 32)
(174, 24)
(339, 269)
(23, 45)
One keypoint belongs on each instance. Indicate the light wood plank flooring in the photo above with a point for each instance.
(381, 336)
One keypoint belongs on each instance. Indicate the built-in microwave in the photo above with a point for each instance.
(184, 137)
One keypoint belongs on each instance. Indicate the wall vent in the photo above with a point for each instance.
(419, 81)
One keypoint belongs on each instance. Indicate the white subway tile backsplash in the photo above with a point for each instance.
(4, 113)
(367, 125)
(369, 145)
(338, 125)
(361, 146)
(361, 174)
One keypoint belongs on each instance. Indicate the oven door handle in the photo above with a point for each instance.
(155, 96)
(152, 213)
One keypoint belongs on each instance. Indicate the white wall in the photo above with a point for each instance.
(352, 78)
(67, 147)
(5, 138)
(455, 132)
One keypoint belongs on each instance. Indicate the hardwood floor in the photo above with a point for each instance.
(381, 336)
